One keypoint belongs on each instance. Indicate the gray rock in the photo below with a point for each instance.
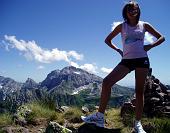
(54, 127)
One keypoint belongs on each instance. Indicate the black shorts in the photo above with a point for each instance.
(132, 64)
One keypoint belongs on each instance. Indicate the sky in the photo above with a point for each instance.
(39, 36)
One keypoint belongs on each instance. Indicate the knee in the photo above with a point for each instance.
(107, 83)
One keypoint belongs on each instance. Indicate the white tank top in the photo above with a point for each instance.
(133, 41)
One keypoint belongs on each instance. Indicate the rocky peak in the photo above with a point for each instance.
(71, 70)
(30, 83)
(53, 74)
(70, 75)
(8, 83)
(29, 80)
(8, 86)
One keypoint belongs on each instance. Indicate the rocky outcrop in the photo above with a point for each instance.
(54, 127)
(30, 84)
(21, 117)
(157, 100)
(11, 129)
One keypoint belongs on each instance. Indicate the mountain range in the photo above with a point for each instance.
(69, 86)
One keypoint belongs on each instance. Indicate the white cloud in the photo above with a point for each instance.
(106, 70)
(20, 45)
(31, 51)
(88, 67)
(114, 25)
(40, 67)
(4, 45)
(75, 55)
(74, 64)
(148, 37)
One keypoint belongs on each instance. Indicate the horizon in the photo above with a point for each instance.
(130, 86)
(38, 37)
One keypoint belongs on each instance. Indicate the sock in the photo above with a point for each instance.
(137, 122)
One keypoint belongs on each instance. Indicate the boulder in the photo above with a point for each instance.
(54, 127)
(85, 110)
(22, 115)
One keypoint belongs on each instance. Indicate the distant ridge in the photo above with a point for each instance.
(68, 86)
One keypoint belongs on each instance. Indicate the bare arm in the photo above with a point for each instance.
(109, 38)
(156, 34)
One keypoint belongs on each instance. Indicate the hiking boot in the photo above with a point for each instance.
(138, 127)
(96, 118)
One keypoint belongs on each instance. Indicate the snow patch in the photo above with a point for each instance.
(77, 73)
(77, 90)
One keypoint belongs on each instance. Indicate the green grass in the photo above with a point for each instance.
(113, 118)
(157, 125)
(151, 125)
(72, 115)
(41, 111)
(2, 131)
(5, 119)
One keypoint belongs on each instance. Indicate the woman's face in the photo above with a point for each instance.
(132, 11)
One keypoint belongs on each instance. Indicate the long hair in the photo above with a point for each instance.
(125, 8)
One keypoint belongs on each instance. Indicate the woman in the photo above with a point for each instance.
(134, 57)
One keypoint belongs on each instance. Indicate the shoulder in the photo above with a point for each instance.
(118, 26)
(146, 25)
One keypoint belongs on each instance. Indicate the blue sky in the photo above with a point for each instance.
(38, 36)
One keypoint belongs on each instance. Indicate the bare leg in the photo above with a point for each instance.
(117, 74)
(140, 76)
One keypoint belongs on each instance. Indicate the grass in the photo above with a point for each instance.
(5, 119)
(41, 111)
(157, 125)
(113, 118)
(72, 115)
(151, 125)
(2, 131)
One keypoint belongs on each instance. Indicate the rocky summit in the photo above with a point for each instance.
(71, 75)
